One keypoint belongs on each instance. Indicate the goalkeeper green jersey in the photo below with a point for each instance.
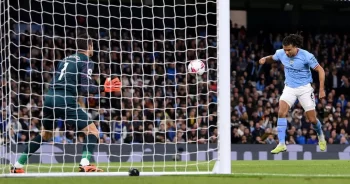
(73, 75)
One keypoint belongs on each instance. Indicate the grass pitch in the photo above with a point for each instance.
(249, 172)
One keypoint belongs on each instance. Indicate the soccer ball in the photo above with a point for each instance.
(196, 66)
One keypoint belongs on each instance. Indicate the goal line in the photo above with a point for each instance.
(106, 174)
(95, 174)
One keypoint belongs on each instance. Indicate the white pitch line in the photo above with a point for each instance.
(294, 175)
(273, 165)
(91, 174)
(169, 173)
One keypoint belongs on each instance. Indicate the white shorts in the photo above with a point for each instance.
(305, 95)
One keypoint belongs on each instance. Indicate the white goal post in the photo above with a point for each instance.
(165, 121)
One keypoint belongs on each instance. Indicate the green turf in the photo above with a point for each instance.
(269, 172)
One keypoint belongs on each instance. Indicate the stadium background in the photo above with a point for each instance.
(255, 89)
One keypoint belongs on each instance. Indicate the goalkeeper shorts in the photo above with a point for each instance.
(58, 106)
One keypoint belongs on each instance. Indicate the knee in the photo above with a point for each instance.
(95, 134)
(282, 114)
(312, 120)
(283, 109)
(91, 129)
(311, 116)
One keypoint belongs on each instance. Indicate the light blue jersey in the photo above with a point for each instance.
(297, 69)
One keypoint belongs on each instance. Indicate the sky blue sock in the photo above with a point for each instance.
(281, 129)
(318, 127)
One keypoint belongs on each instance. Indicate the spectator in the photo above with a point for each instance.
(343, 103)
(258, 131)
(301, 137)
(312, 139)
(260, 85)
(277, 44)
(119, 132)
(270, 140)
(343, 140)
(240, 109)
(179, 137)
(214, 137)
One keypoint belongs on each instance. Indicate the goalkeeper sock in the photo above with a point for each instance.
(32, 147)
(90, 143)
(318, 129)
(281, 129)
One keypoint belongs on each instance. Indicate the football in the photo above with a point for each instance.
(196, 66)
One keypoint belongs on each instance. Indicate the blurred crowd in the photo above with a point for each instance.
(161, 102)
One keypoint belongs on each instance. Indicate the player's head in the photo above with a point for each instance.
(291, 43)
(84, 44)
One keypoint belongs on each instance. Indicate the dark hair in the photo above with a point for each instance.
(83, 41)
(293, 39)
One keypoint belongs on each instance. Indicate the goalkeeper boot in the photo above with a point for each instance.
(322, 144)
(17, 170)
(280, 148)
(89, 168)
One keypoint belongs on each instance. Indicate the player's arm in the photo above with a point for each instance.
(269, 59)
(87, 84)
(313, 63)
(321, 76)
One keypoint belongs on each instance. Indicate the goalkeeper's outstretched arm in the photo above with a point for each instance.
(86, 83)
(89, 86)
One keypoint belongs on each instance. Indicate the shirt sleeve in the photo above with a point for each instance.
(312, 61)
(87, 85)
(276, 55)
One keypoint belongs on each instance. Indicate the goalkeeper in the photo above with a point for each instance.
(74, 75)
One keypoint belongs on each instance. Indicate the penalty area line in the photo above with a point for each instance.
(294, 175)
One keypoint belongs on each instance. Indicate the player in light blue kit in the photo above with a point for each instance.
(297, 63)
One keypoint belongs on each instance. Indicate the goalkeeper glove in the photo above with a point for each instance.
(112, 85)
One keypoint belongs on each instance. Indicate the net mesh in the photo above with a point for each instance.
(164, 119)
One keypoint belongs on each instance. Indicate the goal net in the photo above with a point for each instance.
(164, 120)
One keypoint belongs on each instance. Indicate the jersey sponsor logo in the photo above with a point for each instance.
(293, 72)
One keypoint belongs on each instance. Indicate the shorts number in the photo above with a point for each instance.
(63, 71)
(312, 97)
